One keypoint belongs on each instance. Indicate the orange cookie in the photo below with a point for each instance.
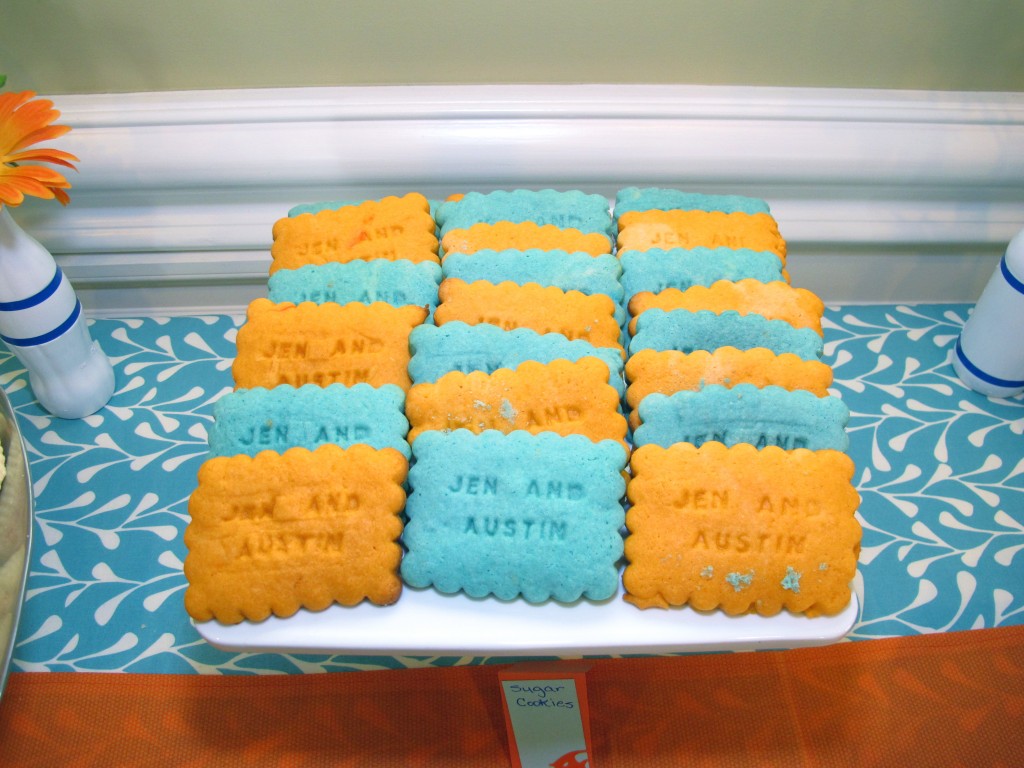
(303, 529)
(642, 230)
(547, 309)
(325, 344)
(740, 529)
(563, 397)
(776, 301)
(506, 235)
(650, 371)
(392, 228)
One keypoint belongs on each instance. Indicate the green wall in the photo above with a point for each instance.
(93, 46)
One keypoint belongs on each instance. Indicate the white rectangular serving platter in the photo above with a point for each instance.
(429, 623)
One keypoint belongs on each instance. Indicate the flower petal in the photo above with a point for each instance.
(11, 101)
(46, 133)
(43, 155)
(30, 186)
(10, 195)
(25, 121)
(38, 172)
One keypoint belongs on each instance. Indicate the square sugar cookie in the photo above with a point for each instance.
(391, 228)
(641, 230)
(576, 271)
(686, 331)
(248, 421)
(662, 199)
(545, 309)
(655, 270)
(516, 515)
(666, 372)
(304, 529)
(778, 300)
(393, 282)
(744, 413)
(456, 346)
(523, 236)
(741, 530)
(325, 344)
(324, 205)
(561, 396)
(573, 209)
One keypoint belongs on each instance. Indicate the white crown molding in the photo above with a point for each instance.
(882, 195)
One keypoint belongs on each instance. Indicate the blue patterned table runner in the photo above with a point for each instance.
(940, 470)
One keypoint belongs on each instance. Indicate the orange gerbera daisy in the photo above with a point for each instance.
(24, 122)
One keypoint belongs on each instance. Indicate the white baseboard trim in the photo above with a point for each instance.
(882, 196)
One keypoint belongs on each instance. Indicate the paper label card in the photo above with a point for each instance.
(547, 718)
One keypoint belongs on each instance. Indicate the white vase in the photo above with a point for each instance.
(41, 322)
(989, 354)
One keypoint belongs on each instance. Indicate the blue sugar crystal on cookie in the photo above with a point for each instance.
(687, 331)
(657, 199)
(656, 269)
(457, 346)
(565, 210)
(516, 515)
(393, 282)
(248, 421)
(744, 413)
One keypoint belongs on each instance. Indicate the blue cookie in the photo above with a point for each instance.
(682, 268)
(248, 421)
(568, 271)
(687, 331)
(333, 205)
(457, 346)
(326, 205)
(744, 413)
(516, 515)
(394, 282)
(566, 210)
(653, 198)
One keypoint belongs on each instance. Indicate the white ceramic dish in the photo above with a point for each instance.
(428, 623)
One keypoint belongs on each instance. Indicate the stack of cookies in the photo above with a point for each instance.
(300, 505)
(517, 434)
(475, 354)
(741, 489)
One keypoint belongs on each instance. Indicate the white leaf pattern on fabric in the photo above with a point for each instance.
(939, 468)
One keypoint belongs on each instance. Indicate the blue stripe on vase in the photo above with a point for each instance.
(35, 341)
(1016, 284)
(38, 298)
(986, 377)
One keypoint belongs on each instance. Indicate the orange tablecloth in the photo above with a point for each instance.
(942, 700)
